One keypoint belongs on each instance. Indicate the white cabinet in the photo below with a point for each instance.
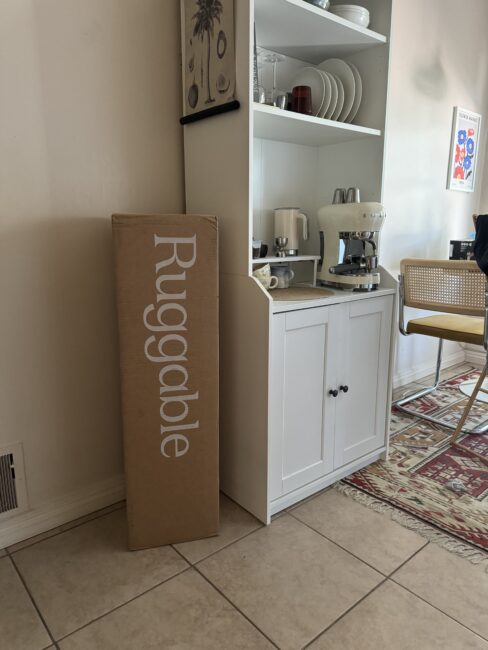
(328, 389)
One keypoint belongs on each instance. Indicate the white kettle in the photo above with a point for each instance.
(286, 224)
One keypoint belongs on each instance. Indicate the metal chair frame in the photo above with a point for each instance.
(458, 309)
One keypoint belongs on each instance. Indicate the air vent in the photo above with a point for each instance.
(8, 489)
(13, 497)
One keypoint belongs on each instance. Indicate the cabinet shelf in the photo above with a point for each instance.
(273, 123)
(305, 32)
(291, 258)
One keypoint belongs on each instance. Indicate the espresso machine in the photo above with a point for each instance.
(349, 234)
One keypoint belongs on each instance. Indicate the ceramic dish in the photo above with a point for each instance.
(328, 94)
(342, 70)
(311, 77)
(353, 13)
(340, 98)
(334, 96)
(358, 95)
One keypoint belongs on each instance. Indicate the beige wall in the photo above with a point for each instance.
(439, 60)
(89, 112)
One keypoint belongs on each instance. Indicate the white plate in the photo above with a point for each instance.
(358, 95)
(340, 98)
(311, 77)
(333, 96)
(342, 70)
(328, 93)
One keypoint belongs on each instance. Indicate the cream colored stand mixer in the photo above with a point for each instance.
(349, 235)
(286, 224)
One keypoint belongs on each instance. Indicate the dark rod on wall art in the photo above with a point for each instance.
(209, 112)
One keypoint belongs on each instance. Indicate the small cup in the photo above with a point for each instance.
(263, 275)
(264, 250)
(284, 275)
(353, 195)
(301, 100)
(339, 195)
(282, 101)
(256, 248)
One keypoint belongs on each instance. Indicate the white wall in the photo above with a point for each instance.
(438, 60)
(89, 108)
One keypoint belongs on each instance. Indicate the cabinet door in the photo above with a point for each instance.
(363, 358)
(302, 415)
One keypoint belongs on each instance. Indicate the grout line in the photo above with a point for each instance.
(399, 584)
(408, 559)
(31, 597)
(114, 609)
(235, 606)
(385, 575)
(385, 579)
(223, 547)
(60, 532)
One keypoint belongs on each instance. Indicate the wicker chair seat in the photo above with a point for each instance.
(451, 327)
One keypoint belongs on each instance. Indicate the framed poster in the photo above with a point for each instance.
(209, 65)
(464, 150)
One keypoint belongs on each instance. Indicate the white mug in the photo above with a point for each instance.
(264, 276)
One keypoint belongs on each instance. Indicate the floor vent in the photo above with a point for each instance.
(13, 497)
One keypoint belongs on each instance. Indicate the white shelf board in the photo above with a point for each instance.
(290, 258)
(302, 31)
(272, 123)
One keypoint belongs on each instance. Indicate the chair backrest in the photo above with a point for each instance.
(452, 286)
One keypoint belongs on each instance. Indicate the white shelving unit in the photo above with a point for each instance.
(240, 166)
(295, 258)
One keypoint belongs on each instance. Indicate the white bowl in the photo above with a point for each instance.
(353, 13)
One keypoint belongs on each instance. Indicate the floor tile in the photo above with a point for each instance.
(93, 515)
(390, 618)
(182, 614)
(234, 524)
(450, 583)
(371, 536)
(20, 625)
(289, 580)
(33, 540)
(87, 571)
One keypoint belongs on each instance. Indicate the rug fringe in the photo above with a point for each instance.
(449, 543)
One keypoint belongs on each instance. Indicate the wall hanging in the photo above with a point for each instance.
(464, 150)
(209, 67)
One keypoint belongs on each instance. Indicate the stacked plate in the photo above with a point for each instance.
(337, 89)
(354, 13)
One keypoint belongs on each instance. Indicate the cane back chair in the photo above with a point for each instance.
(457, 289)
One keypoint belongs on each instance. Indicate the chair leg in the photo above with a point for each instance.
(467, 409)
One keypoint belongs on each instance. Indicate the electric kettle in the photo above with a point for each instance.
(286, 224)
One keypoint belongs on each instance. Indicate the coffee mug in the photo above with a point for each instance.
(264, 276)
(284, 274)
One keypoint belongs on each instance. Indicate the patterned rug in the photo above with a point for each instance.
(425, 477)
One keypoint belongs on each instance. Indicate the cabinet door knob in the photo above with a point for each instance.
(334, 393)
(344, 388)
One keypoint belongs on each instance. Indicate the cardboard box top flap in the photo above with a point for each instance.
(134, 220)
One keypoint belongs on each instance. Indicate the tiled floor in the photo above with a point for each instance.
(328, 574)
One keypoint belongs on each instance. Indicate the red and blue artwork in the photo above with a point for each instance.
(464, 150)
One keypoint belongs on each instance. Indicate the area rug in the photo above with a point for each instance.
(426, 478)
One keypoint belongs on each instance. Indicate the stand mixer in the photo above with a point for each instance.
(349, 236)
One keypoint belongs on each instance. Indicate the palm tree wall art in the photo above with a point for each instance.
(208, 58)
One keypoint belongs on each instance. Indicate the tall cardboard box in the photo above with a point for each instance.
(167, 302)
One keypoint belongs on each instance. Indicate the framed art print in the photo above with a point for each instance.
(209, 65)
(464, 150)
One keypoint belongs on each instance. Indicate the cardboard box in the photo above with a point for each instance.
(167, 302)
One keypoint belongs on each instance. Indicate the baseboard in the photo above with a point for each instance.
(425, 369)
(475, 354)
(61, 511)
